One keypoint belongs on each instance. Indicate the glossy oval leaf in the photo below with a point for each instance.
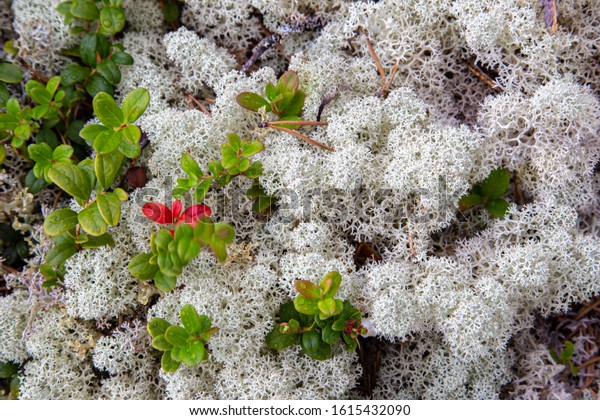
(177, 335)
(9, 73)
(134, 104)
(497, 207)
(314, 346)
(141, 268)
(71, 179)
(168, 364)
(92, 221)
(308, 289)
(106, 167)
(112, 19)
(110, 208)
(157, 326)
(60, 221)
(193, 353)
(107, 110)
(60, 253)
(496, 184)
(252, 101)
(190, 319)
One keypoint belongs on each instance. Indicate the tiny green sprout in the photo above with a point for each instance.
(11, 74)
(317, 320)
(286, 101)
(235, 162)
(489, 193)
(564, 358)
(185, 344)
(117, 133)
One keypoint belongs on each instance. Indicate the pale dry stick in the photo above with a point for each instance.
(388, 85)
(300, 136)
(483, 77)
(376, 60)
(195, 101)
(297, 122)
(518, 191)
(411, 246)
(587, 309)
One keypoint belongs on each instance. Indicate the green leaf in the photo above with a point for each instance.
(288, 82)
(91, 131)
(98, 84)
(496, 184)
(183, 186)
(251, 148)
(71, 179)
(224, 231)
(134, 104)
(4, 95)
(52, 85)
(161, 343)
(190, 319)
(87, 166)
(108, 141)
(204, 230)
(60, 221)
(110, 208)
(497, 207)
(278, 341)
(306, 306)
(329, 335)
(168, 364)
(140, 267)
(270, 91)
(295, 105)
(163, 282)
(60, 253)
(469, 200)
(171, 12)
(130, 150)
(190, 167)
(193, 353)
(252, 101)
(40, 153)
(91, 220)
(220, 249)
(33, 184)
(308, 289)
(157, 326)
(73, 73)
(132, 134)
(107, 111)
(62, 152)
(329, 307)
(98, 241)
(176, 335)
(88, 48)
(122, 58)
(107, 167)
(262, 203)
(121, 194)
(112, 19)
(330, 284)
(109, 70)
(314, 346)
(201, 190)
(9, 73)
(84, 10)
(175, 354)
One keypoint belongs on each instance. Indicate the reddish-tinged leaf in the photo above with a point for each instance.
(158, 212)
(194, 213)
(136, 177)
(176, 209)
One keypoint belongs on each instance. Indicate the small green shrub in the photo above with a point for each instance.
(488, 193)
(185, 344)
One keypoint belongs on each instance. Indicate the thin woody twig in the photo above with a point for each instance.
(298, 122)
(192, 100)
(377, 62)
(301, 136)
(483, 77)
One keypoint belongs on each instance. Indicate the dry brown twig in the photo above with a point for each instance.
(195, 103)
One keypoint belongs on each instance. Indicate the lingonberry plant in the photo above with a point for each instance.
(185, 344)
(317, 319)
(117, 138)
(488, 194)
(286, 101)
